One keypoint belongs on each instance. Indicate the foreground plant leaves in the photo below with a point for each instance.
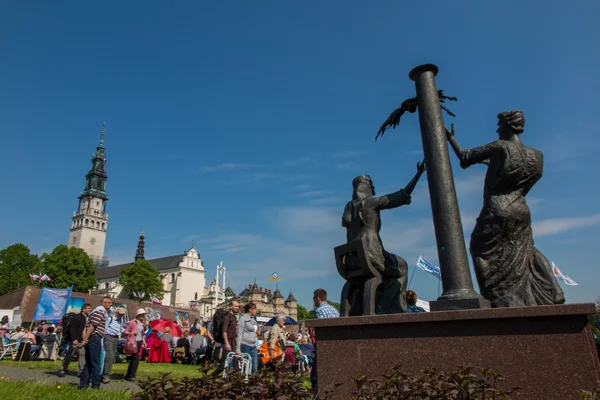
(267, 385)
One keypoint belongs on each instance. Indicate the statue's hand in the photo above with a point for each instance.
(421, 167)
(450, 133)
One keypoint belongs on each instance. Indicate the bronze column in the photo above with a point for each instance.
(458, 292)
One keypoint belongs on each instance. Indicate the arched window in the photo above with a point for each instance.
(172, 278)
(103, 225)
(98, 224)
(87, 221)
(196, 296)
(106, 285)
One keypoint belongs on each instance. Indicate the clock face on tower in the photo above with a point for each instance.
(92, 241)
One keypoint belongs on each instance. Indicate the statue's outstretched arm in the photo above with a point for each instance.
(391, 200)
(402, 196)
(468, 157)
(411, 185)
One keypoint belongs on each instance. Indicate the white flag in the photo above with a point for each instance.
(563, 277)
(428, 267)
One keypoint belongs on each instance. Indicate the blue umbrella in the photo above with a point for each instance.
(288, 321)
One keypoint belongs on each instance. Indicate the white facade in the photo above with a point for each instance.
(184, 283)
(183, 280)
(88, 227)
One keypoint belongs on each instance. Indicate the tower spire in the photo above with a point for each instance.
(89, 223)
(139, 255)
(102, 134)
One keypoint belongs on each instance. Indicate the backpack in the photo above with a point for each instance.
(218, 325)
(66, 322)
(179, 353)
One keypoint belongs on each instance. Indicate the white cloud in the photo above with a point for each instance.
(344, 167)
(339, 200)
(311, 221)
(302, 187)
(313, 193)
(302, 161)
(259, 178)
(470, 185)
(553, 226)
(223, 167)
(349, 154)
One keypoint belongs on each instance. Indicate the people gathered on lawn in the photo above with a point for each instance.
(99, 337)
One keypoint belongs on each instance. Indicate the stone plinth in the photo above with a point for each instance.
(546, 350)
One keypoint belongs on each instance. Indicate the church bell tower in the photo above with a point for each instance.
(90, 221)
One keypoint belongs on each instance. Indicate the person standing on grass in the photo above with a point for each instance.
(322, 310)
(73, 338)
(92, 340)
(277, 336)
(246, 334)
(136, 328)
(229, 332)
(210, 343)
(115, 326)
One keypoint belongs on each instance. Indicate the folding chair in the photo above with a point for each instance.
(8, 348)
(195, 358)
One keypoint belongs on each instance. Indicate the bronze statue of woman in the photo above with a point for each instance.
(510, 271)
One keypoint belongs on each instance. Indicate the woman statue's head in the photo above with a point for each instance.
(510, 123)
(363, 187)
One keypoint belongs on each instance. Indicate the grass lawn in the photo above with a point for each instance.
(25, 389)
(33, 391)
(144, 370)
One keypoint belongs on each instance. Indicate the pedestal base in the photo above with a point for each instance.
(546, 350)
(464, 304)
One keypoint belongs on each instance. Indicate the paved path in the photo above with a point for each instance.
(51, 377)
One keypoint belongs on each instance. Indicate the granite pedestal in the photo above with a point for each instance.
(546, 350)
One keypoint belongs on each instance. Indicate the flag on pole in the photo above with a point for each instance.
(563, 277)
(155, 300)
(429, 267)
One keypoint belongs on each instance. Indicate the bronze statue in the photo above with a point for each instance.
(362, 222)
(511, 272)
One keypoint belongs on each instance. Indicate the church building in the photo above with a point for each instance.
(90, 222)
(182, 277)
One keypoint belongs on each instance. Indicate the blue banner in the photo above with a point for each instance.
(52, 304)
(429, 267)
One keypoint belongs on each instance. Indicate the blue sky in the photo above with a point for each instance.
(240, 125)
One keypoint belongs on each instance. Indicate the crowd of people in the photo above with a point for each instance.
(99, 337)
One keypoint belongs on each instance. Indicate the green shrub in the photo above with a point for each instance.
(263, 386)
(432, 384)
(589, 394)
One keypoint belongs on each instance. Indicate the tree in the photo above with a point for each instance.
(16, 263)
(303, 314)
(141, 276)
(335, 305)
(67, 266)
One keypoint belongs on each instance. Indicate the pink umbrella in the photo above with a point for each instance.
(161, 324)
